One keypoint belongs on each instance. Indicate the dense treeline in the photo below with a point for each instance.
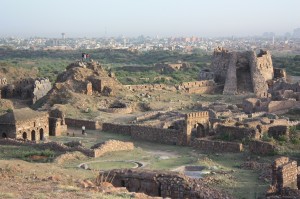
(105, 56)
(291, 63)
(51, 63)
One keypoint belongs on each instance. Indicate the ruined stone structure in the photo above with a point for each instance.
(170, 67)
(33, 89)
(95, 151)
(277, 131)
(57, 124)
(110, 146)
(241, 72)
(262, 148)
(150, 87)
(284, 173)
(197, 122)
(281, 97)
(206, 74)
(251, 105)
(3, 83)
(89, 88)
(195, 125)
(24, 124)
(198, 87)
(237, 132)
(87, 78)
(162, 184)
(279, 73)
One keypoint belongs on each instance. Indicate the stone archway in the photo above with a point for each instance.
(198, 122)
(33, 138)
(41, 134)
(4, 135)
(24, 135)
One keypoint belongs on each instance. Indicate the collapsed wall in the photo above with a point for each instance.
(96, 151)
(162, 184)
(285, 179)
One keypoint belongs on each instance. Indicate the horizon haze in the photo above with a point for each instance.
(131, 18)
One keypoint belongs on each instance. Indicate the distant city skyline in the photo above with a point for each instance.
(131, 18)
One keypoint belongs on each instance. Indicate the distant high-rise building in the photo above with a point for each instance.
(296, 33)
(63, 35)
(268, 34)
(287, 35)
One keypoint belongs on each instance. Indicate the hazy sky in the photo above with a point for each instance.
(92, 18)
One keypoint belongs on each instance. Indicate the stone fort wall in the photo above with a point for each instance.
(217, 146)
(152, 134)
(200, 87)
(236, 132)
(89, 124)
(117, 128)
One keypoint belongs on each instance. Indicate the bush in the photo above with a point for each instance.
(283, 138)
(295, 140)
(225, 137)
(267, 138)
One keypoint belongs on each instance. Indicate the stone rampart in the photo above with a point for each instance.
(89, 124)
(123, 129)
(158, 135)
(217, 146)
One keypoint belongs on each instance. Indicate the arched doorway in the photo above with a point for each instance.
(4, 135)
(24, 135)
(201, 131)
(33, 135)
(198, 131)
(41, 134)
